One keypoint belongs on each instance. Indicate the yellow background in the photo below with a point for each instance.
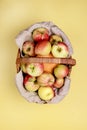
(15, 112)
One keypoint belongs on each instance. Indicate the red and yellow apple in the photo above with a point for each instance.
(26, 79)
(40, 34)
(46, 93)
(61, 71)
(43, 48)
(28, 48)
(54, 39)
(46, 79)
(30, 83)
(60, 50)
(35, 69)
(59, 83)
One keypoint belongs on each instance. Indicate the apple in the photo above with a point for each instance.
(40, 34)
(48, 67)
(30, 83)
(60, 50)
(26, 79)
(59, 82)
(35, 69)
(46, 79)
(31, 86)
(28, 48)
(43, 48)
(55, 39)
(61, 71)
(46, 93)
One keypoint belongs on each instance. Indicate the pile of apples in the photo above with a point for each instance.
(44, 78)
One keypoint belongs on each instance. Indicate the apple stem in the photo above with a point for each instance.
(32, 68)
(54, 41)
(59, 49)
(28, 49)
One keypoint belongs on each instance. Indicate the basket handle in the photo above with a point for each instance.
(25, 60)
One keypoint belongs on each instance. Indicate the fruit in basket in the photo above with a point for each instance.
(61, 71)
(40, 34)
(35, 69)
(26, 79)
(46, 93)
(43, 48)
(59, 82)
(54, 39)
(48, 40)
(60, 50)
(48, 67)
(46, 79)
(28, 48)
(30, 83)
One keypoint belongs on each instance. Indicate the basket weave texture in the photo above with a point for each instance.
(69, 61)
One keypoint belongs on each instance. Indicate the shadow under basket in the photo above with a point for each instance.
(70, 62)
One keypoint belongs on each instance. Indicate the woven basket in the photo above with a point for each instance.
(69, 61)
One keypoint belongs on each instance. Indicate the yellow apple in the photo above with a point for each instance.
(46, 93)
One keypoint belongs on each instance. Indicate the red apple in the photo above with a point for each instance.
(60, 50)
(59, 83)
(46, 79)
(46, 93)
(40, 34)
(61, 71)
(28, 48)
(35, 69)
(43, 48)
(54, 39)
(30, 83)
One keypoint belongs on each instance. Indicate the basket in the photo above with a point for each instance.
(69, 61)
